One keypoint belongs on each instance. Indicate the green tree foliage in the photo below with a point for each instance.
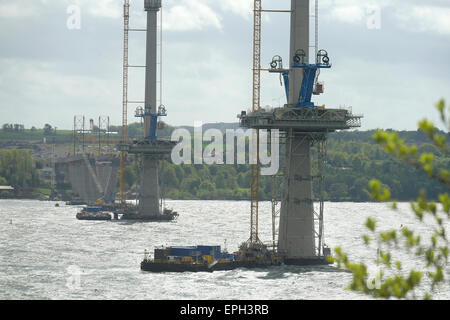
(351, 156)
(353, 161)
(48, 129)
(170, 177)
(18, 169)
(339, 191)
(3, 181)
(13, 127)
(393, 280)
(17, 132)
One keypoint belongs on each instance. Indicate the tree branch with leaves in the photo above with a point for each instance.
(392, 280)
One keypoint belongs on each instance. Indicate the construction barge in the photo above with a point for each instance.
(93, 213)
(132, 213)
(211, 258)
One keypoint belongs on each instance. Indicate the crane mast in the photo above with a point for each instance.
(123, 154)
(256, 106)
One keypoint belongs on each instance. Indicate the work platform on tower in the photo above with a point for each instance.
(156, 148)
(303, 119)
(150, 206)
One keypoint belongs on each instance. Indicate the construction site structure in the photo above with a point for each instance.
(304, 125)
(99, 136)
(150, 149)
(91, 177)
(91, 168)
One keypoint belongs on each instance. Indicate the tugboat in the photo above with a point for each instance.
(93, 213)
(209, 259)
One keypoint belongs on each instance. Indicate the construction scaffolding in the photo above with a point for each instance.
(98, 136)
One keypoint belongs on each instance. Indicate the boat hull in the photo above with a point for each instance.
(159, 267)
(161, 218)
(94, 217)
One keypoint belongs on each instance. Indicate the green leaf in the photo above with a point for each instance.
(389, 236)
(371, 224)
(379, 192)
(427, 127)
(435, 257)
(437, 276)
(394, 205)
(439, 141)
(386, 258)
(444, 251)
(414, 278)
(440, 106)
(417, 210)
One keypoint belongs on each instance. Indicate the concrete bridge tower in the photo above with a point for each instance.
(150, 148)
(296, 234)
(303, 125)
(149, 194)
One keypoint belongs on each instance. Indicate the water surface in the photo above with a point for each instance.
(42, 247)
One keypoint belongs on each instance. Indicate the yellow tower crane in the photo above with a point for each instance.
(256, 107)
(123, 154)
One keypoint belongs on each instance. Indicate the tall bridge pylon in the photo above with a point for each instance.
(304, 125)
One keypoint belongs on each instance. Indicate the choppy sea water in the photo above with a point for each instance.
(46, 253)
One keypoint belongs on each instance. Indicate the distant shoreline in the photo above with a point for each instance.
(44, 198)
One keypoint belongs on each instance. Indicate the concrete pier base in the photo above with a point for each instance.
(296, 235)
(149, 205)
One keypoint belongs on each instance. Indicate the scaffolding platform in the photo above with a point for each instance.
(301, 119)
(157, 148)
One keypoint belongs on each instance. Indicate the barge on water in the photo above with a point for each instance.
(209, 259)
(93, 213)
(131, 213)
(76, 203)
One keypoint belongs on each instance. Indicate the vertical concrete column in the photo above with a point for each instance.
(149, 197)
(89, 186)
(87, 182)
(151, 64)
(110, 188)
(296, 235)
(299, 40)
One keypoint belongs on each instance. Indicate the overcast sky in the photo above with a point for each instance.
(392, 69)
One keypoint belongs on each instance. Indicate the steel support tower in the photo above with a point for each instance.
(300, 236)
